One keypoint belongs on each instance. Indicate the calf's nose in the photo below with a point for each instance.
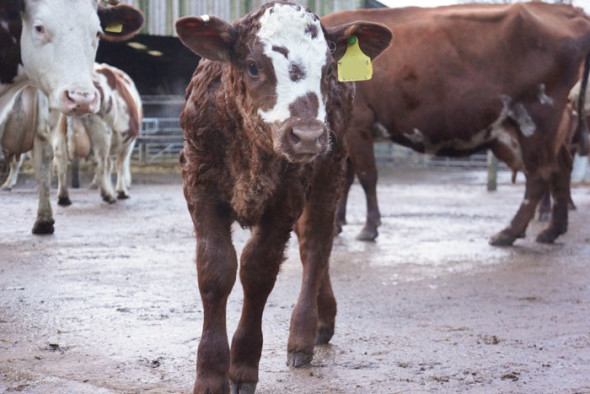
(308, 138)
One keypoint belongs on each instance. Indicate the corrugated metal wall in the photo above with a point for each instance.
(161, 14)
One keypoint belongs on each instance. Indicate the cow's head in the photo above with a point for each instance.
(59, 40)
(282, 59)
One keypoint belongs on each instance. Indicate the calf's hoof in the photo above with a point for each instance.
(43, 227)
(122, 195)
(243, 388)
(549, 235)
(324, 335)
(64, 201)
(368, 234)
(299, 359)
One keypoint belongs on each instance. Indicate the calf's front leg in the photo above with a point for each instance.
(216, 270)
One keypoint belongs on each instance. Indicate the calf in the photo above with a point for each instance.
(51, 44)
(471, 77)
(264, 123)
(112, 131)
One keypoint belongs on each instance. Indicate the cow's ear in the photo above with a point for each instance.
(373, 38)
(207, 36)
(120, 22)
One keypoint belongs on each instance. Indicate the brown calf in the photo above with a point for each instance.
(264, 125)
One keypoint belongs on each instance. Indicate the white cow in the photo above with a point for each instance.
(112, 131)
(51, 44)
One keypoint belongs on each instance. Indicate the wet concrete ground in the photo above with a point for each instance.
(109, 304)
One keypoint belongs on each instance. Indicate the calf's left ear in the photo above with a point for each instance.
(120, 23)
(373, 38)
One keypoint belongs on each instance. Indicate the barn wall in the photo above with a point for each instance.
(160, 15)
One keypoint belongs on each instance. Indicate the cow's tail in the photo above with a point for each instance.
(581, 137)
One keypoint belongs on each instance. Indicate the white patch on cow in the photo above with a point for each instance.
(518, 113)
(206, 18)
(543, 98)
(380, 132)
(526, 202)
(416, 136)
(284, 26)
(4, 25)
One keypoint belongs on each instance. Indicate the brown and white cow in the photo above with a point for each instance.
(112, 131)
(475, 76)
(51, 44)
(264, 123)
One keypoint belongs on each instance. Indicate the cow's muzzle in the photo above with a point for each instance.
(79, 101)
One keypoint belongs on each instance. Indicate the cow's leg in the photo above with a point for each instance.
(216, 270)
(61, 162)
(544, 208)
(314, 314)
(100, 137)
(560, 190)
(124, 171)
(535, 187)
(259, 266)
(42, 163)
(15, 166)
(362, 156)
(341, 212)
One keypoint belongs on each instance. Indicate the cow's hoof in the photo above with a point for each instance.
(243, 388)
(43, 227)
(122, 195)
(299, 359)
(324, 335)
(503, 239)
(64, 201)
(545, 217)
(368, 234)
(109, 199)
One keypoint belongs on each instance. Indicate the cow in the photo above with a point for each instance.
(28, 114)
(470, 77)
(264, 123)
(51, 44)
(112, 131)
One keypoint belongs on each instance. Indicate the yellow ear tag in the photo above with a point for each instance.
(114, 28)
(354, 65)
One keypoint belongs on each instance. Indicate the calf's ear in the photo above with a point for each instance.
(207, 36)
(373, 38)
(120, 23)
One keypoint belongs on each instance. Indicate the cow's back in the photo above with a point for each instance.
(450, 68)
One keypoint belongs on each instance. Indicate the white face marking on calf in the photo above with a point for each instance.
(205, 18)
(285, 26)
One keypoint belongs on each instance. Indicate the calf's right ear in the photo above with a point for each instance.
(207, 36)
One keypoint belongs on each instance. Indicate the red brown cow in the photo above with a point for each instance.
(469, 77)
(264, 124)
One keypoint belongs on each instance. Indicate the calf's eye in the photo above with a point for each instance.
(40, 29)
(252, 69)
